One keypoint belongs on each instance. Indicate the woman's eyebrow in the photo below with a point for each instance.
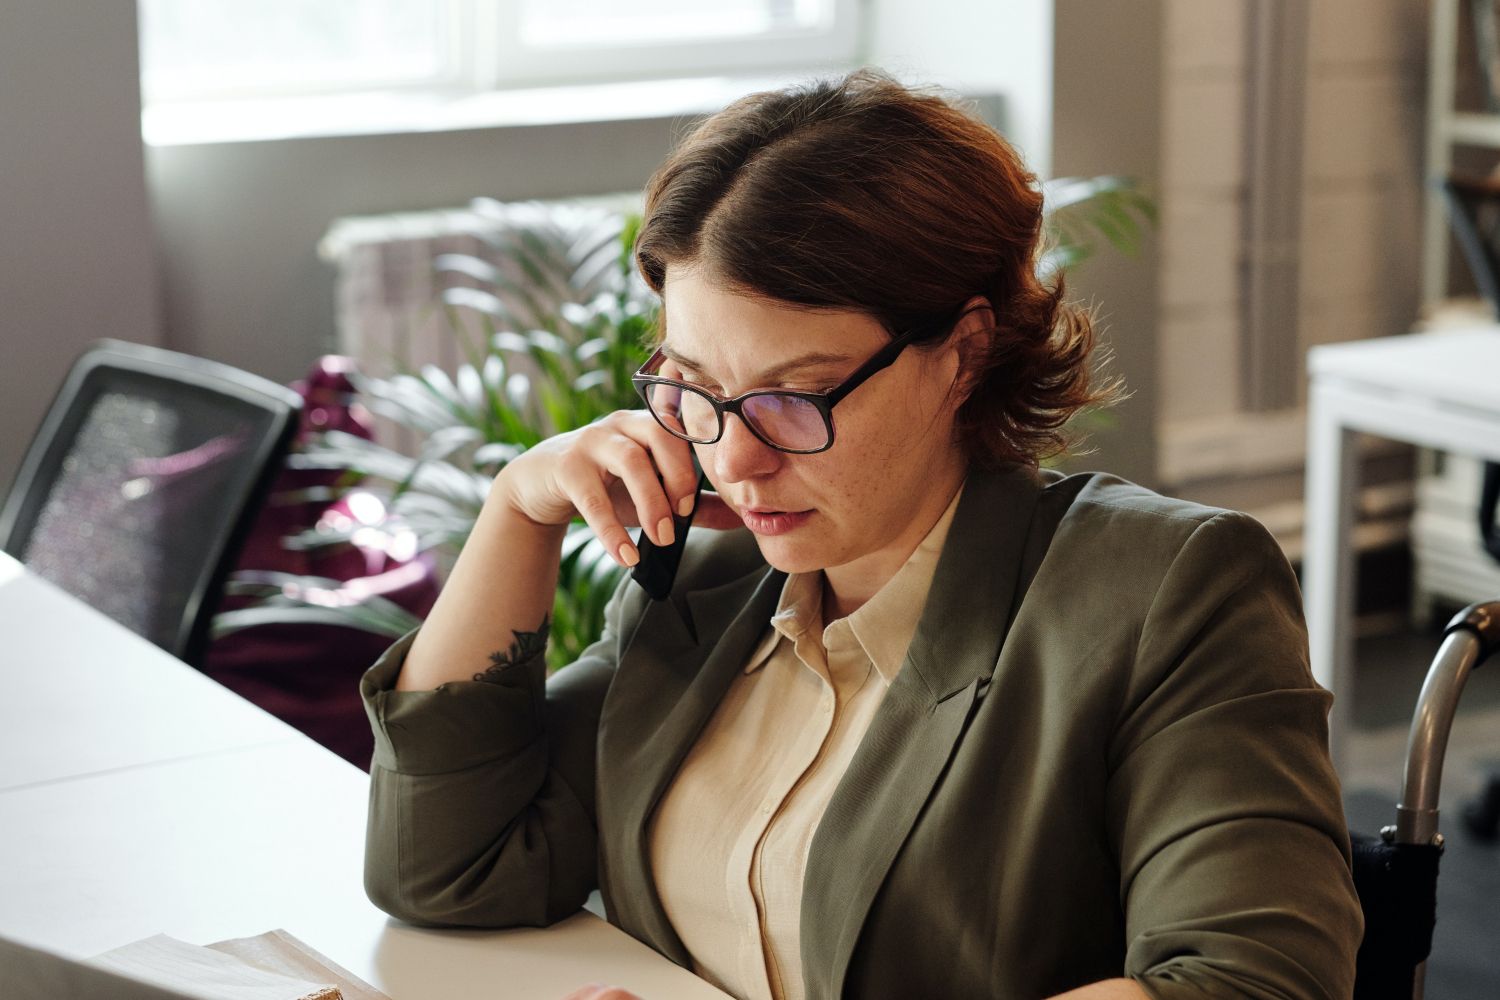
(811, 359)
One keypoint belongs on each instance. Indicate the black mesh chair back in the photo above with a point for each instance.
(137, 491)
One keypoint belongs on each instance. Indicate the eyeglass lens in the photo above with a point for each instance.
(787, 421)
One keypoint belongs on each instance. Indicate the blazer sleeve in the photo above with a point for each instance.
(1222, 801)
(482, 792)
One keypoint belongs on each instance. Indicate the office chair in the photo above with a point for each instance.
(137, 490)
(1396, 872)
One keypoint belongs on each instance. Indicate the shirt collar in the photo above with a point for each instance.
(799, 608)
(883, 625)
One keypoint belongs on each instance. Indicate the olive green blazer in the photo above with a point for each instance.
(1104, 755)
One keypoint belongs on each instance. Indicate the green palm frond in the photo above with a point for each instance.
(1081, 211)
(287, 598)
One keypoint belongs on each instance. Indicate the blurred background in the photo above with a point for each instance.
(168, 171)
(265, 183)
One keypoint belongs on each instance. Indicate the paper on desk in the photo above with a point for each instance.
(278, 951)
(187, 968)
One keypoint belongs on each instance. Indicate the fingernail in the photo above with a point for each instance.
(628, 555)
(664, 533)
(685, 505)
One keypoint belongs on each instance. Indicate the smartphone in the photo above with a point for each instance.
(658, 566)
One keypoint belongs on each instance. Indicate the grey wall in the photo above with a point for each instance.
(1107, 90)
(975, 47)
(76, 256)
(239, 223)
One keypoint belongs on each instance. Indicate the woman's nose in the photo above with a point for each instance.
(740, 455)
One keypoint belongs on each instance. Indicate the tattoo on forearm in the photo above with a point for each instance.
(527, 645)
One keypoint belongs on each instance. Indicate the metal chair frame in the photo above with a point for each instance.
(1469, 638)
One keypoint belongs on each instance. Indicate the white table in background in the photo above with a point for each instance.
(138, 797)
(1436, 390)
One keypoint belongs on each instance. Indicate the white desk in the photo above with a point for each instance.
(1437, 390)
(83, 694)
(209, 819)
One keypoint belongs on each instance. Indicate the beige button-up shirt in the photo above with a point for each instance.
(729, 841)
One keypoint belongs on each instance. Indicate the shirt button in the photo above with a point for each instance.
(766, 808)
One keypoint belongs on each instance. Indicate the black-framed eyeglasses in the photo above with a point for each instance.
(800, 423)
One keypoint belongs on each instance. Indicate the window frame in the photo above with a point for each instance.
(483, 52)
(501, 60)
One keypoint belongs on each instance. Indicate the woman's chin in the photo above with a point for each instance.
(788, 555)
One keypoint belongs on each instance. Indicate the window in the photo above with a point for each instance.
(207, 49)
(220, 49)
(573, 40)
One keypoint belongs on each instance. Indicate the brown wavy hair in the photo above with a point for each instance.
(860, 193)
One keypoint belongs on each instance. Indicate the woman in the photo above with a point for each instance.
(917, 718)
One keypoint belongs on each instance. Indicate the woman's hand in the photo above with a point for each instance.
(595, 991)
(620, 471)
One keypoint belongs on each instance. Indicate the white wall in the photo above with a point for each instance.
(976, 47)
(239, 223)
(76, 255)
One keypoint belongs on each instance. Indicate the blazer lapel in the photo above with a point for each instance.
(912, 736)
(687, 665)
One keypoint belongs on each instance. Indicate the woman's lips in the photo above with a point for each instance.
(764, 522)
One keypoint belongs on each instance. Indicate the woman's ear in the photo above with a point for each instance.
(970, 337)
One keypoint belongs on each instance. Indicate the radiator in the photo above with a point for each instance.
(389, 316)
(386, 292)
